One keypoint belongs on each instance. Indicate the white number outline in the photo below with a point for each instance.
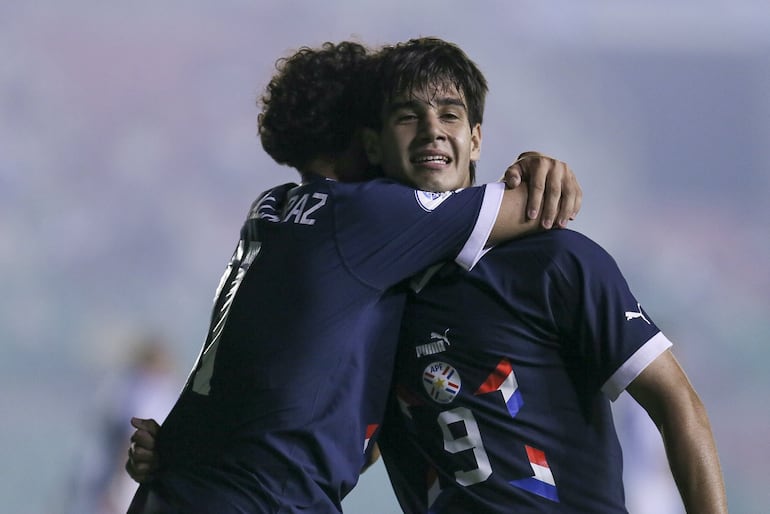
(204, 369)
(471, 441)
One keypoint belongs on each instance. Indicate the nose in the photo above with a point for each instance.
(430, 127)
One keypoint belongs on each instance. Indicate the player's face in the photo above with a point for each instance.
(427, 141)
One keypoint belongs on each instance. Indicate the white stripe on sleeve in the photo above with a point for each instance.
(631, 369)
(490, 206)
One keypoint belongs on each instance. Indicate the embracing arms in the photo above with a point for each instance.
(552, 197)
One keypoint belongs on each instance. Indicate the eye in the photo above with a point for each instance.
(405, 117)
(451, 116)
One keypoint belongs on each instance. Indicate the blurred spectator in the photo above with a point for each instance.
(147, 387)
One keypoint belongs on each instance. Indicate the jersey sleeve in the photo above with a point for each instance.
(603, 324)
(387, 232)
(630, 369)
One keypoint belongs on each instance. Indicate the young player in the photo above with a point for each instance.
(505, 371)
(295, 369)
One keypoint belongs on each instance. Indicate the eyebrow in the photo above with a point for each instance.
(412, 103)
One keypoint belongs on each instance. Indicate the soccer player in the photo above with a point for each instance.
(505, 371)
(294, 373)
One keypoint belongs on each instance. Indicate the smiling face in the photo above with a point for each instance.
(426, 140)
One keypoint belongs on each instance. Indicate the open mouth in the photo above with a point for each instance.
(431, 159)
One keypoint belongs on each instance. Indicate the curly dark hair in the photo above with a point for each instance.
(311, 107)
(417, 65)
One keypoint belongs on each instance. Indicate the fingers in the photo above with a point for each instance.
(140, 471)
(142, 458)
(554, 192)
(141, 464)
(563, 196)
(545, 190)
(516, 173)
(512, 177)
(571, 198)
(539, 172)
(142, 439)
(149, 425)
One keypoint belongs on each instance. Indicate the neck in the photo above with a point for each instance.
(322, 166)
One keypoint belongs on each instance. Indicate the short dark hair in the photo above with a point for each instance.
(420, 64)
(312, 106)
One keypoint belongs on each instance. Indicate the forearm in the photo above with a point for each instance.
(511, 220)
(694, 461)
(666, 394)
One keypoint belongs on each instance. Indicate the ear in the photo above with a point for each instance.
(371, 140)
(476, 142)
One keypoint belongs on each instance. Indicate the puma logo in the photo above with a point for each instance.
(637, 314)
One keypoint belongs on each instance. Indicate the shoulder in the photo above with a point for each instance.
(560, 251)
(555, 242)
(269, 202)
(280, 190)
(575, 244)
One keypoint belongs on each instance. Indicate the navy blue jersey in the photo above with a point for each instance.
(503, 379)
(295, 372)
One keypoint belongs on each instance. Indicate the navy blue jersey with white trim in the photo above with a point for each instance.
(295, 372)
(503, 380)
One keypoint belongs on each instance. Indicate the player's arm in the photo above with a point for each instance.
(665, 392)
(511, 219)
(142, 458)
(553, 193)
(552, 185)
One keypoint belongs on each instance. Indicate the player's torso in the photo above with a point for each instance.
(488, 393)
(293, 338)
(296, 370)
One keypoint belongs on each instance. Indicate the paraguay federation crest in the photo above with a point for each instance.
(441, 381)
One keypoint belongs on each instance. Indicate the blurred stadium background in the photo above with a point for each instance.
(128, 159)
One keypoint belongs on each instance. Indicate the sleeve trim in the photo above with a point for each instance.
(631, 369)
(474, 246)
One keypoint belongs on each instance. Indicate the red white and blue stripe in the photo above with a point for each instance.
(504, 380)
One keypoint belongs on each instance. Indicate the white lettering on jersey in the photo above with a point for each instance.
(429, 200)
(438, 344)
(321, 197)
(296, 208)
(430, 348)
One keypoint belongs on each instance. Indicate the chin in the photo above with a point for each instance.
(437, 187)
(435, 183)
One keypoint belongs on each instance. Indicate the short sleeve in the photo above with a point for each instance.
(603, 325)
(387, 232)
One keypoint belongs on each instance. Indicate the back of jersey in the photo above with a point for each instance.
(297, 361)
